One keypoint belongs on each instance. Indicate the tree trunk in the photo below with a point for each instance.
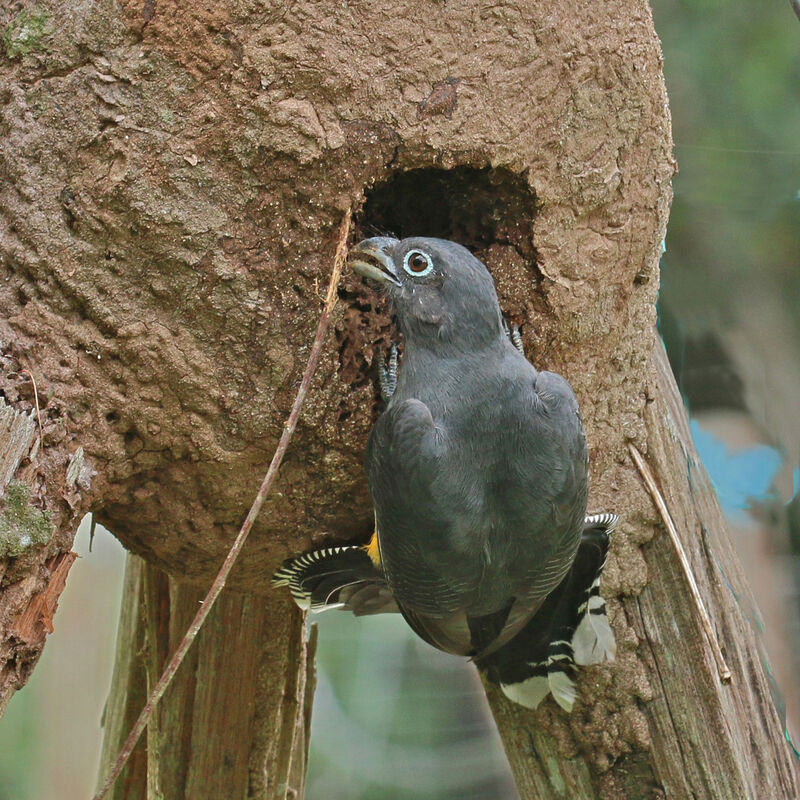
(234, 723)
(172, 178)
(686, 733)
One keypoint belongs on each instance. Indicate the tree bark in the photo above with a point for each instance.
(43, 497)
(173, 175)
(687, 734)
(235, 721)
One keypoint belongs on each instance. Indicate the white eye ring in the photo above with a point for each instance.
(417, 256)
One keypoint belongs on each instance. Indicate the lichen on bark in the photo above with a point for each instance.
(22, 525)
(26, 32)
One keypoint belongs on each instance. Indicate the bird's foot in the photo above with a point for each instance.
(387, 375)
(513, 334)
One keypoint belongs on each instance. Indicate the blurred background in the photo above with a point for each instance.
(394, 718)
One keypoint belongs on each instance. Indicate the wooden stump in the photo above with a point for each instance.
(235, 721)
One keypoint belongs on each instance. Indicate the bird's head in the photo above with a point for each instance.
(440, 291)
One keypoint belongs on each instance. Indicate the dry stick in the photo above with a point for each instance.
(36, 400)
(658, 499)
(269, 478)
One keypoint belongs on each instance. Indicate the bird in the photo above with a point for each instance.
(477, 470)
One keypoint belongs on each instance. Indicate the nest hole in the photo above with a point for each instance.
(475, 207)
(490, 211)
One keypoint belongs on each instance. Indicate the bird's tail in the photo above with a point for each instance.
(569, 629)
(336, 577)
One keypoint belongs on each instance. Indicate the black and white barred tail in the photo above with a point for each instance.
(569, 630)
(336, 577)
(593, 640)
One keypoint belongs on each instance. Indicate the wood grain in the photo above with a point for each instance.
(700, 737)
(238, 694)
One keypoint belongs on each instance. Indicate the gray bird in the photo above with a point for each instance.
(478, 473)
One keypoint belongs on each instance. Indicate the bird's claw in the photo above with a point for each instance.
(514, 335)
(387, 375)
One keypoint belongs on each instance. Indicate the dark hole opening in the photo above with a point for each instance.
(475, 207)
(490, 211)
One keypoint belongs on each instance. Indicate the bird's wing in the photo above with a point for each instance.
(403, 458)
(558, 473)
(475, 534)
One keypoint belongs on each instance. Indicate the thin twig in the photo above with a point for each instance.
(661, 505)
(796, 7)
(233, 553)
(36, 401)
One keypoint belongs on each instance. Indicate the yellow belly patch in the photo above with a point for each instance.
(373, 550)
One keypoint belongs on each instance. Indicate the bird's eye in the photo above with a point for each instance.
(418, 263)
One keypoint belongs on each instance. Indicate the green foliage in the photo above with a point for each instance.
(26, 32)
(732, 70)
(21, 524)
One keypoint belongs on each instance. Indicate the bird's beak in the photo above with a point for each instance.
(369, 258)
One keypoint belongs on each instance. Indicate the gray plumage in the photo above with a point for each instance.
(478, 466)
